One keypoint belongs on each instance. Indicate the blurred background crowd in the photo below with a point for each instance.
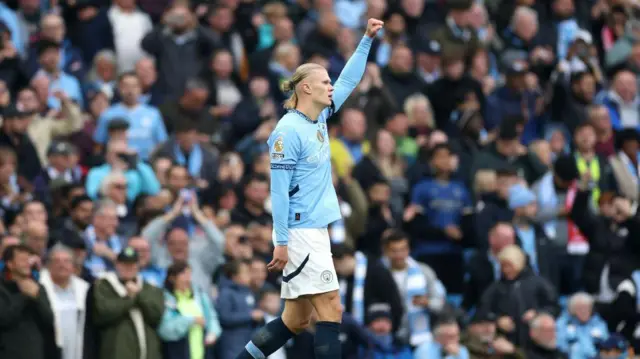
(487, 166)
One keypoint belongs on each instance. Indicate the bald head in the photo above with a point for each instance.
(52, 27)
(501, 236)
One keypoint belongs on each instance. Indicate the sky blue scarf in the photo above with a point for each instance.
(195, 159)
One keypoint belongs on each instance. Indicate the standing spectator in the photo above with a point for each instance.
(365, 282)
(580, 329)
(103, 244)
(25, 312)
(518, 297)
(150, 273)
(181, 48)
(146, 127)
(412, 286)
(625, 164)
(129, 25)
(622, 101)
(483, 268)
(190, 323)
(236, 306)
(49, 55)
(441, 203)
(14, 136)
(446, 344)
(67, 294)
(127, 312)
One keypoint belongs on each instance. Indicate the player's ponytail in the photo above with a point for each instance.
(289, 86)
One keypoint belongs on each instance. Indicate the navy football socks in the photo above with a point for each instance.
(327, 341)
(267, 340)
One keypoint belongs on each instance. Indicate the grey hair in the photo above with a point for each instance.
(579, 298)
(537, 321)
(522, 11)
(106, 182)
(105, 204)
(106, 54)
(59, 247)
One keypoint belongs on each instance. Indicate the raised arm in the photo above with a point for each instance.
(284, 149)
(354, 69)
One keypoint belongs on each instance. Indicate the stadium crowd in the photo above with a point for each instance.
(487, 167)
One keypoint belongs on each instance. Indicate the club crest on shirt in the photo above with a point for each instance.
(320, 136)
(278, 145)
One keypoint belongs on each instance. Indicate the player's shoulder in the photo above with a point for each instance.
(286, 130)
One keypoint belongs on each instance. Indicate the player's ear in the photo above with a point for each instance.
(306, 88)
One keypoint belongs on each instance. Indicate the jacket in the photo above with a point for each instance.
(80, 288)
(514, 297)
(578, 340)
(174, 328)
(127, 326)
(235, 304)
(478, 349)
(26, 324)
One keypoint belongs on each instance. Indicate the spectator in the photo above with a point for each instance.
(150, 273)
(146, 129)
(482, 341)
(580, 329)
(103, 244)
(366, 282)
(518, 296)
(543, 338)
(26, 312)
(236, 306)
(624, 164)
(412, 286)
(13, 135)
(270, 303)
(67, 295)
(130, 25)
(49, 55)
(189, 319)
(53, 28)
(446, 343)
(127, 311)
(379, 319)
(483, 268)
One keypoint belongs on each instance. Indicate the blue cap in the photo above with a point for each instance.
(520, 196)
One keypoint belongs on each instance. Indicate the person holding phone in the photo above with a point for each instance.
(119, 157)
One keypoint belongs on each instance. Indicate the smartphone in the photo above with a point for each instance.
(185, 194)
(130, 159)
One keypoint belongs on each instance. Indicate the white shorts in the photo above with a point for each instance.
(310, 268)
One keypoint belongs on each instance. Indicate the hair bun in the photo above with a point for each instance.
(287, 86)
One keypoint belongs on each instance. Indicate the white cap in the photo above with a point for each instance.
(583, 35)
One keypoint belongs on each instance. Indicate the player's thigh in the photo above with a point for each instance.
(297, 314)
(328, 306)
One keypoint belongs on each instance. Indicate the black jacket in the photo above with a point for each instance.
(26, 324)
(514, 297)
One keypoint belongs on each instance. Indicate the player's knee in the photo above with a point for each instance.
(330, 308)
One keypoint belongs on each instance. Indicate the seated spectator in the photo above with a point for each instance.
(482, 340)
(379, 323)
(446, 343)
(25, 311)
(190, 323)
(236, 306)
(624, 164)
(139, 175)
(613, 348)
(67, 295)
(126, 312)
(580, 330)
(543, 339)
(518, 296)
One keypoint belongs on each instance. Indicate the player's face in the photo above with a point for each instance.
(321, 87)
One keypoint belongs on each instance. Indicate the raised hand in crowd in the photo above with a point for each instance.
(506, 324)
(453, 232)
(28, 287)
(132, 288)
(502, 346)
(529, 315)
(102, 250)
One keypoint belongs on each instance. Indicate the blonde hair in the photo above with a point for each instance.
(302, 72)
(418, 99)
(514, 255)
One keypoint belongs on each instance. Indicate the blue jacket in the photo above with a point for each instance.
(174, 328)
(141, 180)
(614, 109)
(578, 339)
(234, 305)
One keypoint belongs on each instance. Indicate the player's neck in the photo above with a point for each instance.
(309, 110)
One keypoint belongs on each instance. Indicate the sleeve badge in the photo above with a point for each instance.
(278, 145)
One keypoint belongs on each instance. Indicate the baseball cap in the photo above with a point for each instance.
(378, 311)
(128, 255)
(517, 68)
(566, 169)
(482, 316)
(431, 47)
(60, 148)
(584, 36)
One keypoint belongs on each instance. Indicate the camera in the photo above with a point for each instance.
(130, 159)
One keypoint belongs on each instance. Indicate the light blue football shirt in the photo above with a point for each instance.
(302, 192)
(146, 127)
